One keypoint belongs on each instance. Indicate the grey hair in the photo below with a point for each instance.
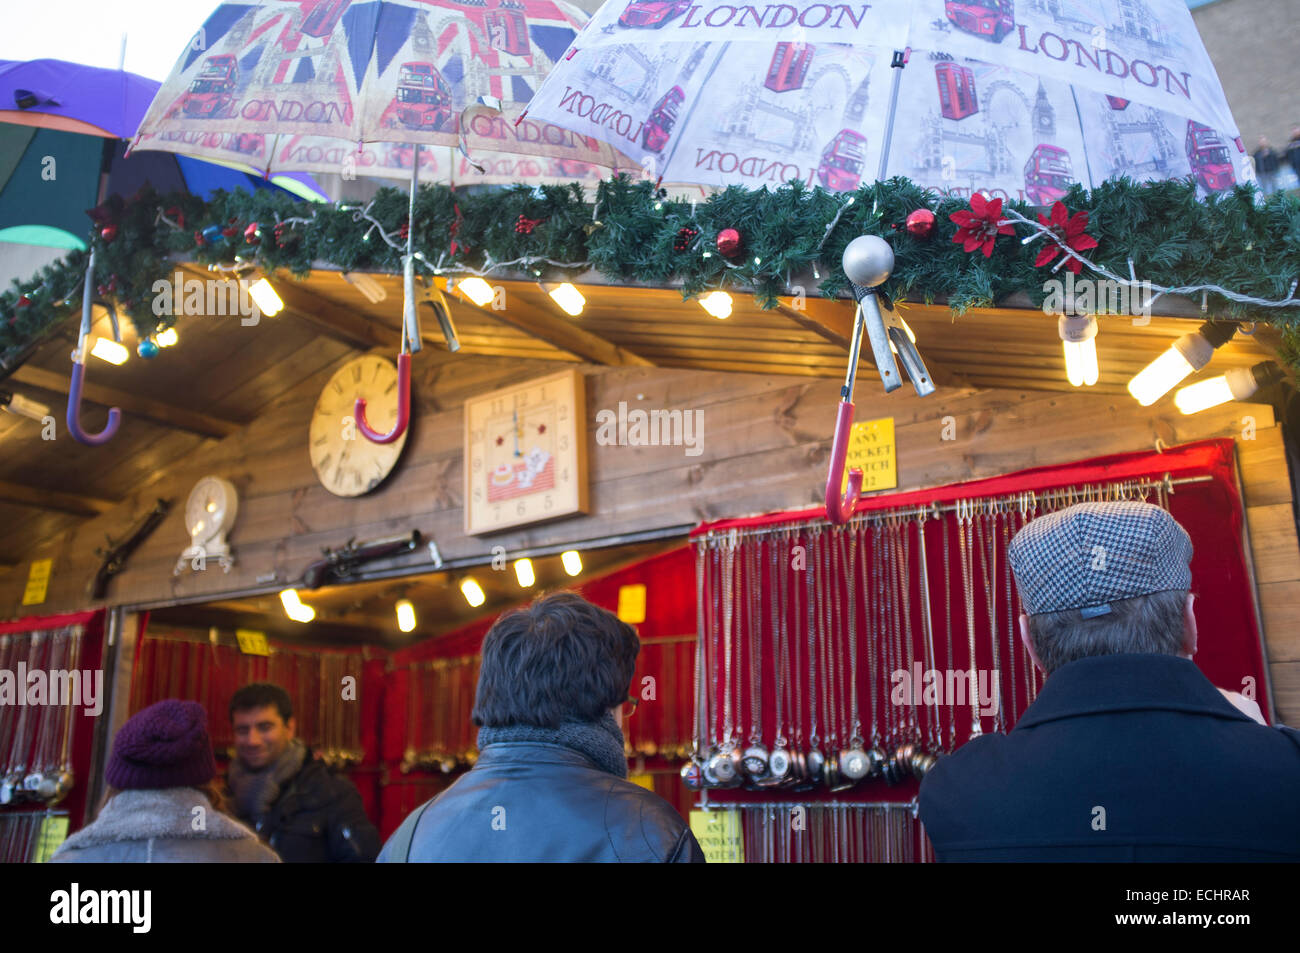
(1151, 624)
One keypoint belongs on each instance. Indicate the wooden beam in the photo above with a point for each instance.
(828, 325)
(169, 415)
(45, 499)
(561, 334)
(335, 322)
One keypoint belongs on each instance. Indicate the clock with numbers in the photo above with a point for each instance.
(526, 454)
(346, 463)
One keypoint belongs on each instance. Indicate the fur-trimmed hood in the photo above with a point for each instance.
(159, 813)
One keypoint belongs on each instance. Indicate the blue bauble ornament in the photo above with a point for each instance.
(147, 349)
(212, 234)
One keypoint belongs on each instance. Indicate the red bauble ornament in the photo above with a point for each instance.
(108, 233)
(230, 231)
(199, 240)
(24, 301)
(251, 236)
(729, 243)
(685, 235)
(920, 224)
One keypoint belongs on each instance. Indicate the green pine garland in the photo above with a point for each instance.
(1173, 237)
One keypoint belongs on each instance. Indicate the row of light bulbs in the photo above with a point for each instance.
(299, 611)
(571, 301)
(261, 291)
(1185, 356)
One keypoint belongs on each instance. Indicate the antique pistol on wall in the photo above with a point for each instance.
(343, 562)
(116, 555)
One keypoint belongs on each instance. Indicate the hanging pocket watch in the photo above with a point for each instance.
(854, 762)
(816, 762)
(778, 766)
(693, 775)
(755, 762)
(922, 763)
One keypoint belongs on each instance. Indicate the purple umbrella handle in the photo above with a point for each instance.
(840, 508)
(403, 405)
(74, 412)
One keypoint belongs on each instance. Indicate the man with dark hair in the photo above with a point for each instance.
(1128, 753)
(305, 813)
(550, 783)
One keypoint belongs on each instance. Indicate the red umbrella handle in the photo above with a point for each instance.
(403, 405)
(840, 508)
(74, 412)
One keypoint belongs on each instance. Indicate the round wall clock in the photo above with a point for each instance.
(346, 463)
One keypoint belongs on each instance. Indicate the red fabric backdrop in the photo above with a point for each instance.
(1230, 648)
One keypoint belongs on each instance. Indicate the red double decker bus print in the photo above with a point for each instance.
(957, 97)
(991, 19)
(789, 66)
(1208, 156)
(652, 13)
(423, 97)
(659, 124)
(1047, 174)
(840, 169)
(213, 89)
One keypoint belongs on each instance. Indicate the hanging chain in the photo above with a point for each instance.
(700, 635)
(755, 593)
(964, 518)
(855, 738)
(927, 622)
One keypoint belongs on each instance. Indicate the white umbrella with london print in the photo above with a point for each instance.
(1010, 98)
(259, 77)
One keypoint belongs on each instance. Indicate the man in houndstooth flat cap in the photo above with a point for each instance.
(1128, 753)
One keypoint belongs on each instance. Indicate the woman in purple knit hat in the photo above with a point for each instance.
(163, 803)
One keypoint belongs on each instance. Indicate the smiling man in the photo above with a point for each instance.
(305, 813)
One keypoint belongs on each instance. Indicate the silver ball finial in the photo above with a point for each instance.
(868, 260)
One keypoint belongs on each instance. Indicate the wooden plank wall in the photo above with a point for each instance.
(765, 443)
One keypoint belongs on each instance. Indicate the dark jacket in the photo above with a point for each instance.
(1293, 155)
(1267, 161)
(1180, 774)
(544, 802)
(318, 819)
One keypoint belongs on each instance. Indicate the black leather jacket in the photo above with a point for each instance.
(544, 803)
(319, 819)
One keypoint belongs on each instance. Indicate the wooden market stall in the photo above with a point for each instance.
(236, 402)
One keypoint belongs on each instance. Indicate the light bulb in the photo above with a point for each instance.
(476, 289)
(167, 338)
(572, 562)
(406, 616)
(718, 304)
(1081, 362)
(268, 302)
(524, 572)
(569, 298)
(294, 607)
(1203, 394)
(1159, 377)
(109, 350)
(472, 592)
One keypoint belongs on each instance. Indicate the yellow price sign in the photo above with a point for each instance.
(38, 581)
(643, 780)
(54, 831)
(252, 642)
(872, 450)
(631, 603)
(719, 835)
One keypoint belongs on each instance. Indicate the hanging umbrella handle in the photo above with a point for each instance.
(74, 411)
(79, 372)
(403, 405)
(840, 508)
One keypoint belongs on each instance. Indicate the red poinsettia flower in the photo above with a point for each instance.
(980, 226)
(1068, 231)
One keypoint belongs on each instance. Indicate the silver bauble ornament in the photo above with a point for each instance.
(868, 260)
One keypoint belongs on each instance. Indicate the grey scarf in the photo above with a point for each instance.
(600, 740)
(256, 791)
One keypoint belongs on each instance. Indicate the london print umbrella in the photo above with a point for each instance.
(1014, 98)
(413, 72)
(267, 84)
(1011, 99)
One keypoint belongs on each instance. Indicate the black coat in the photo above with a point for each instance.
(1180, 773)
(318, 818)
(544, 803)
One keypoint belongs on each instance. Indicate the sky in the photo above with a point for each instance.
(90, 32)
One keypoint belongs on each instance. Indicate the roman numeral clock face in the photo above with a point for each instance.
(346, 463)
